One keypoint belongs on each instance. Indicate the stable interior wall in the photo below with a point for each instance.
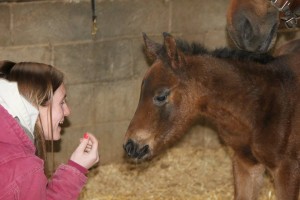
(104, 72)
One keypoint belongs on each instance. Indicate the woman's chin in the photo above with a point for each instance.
(56, 135)
(56, 138)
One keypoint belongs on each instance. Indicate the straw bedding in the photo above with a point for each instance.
(184, 172)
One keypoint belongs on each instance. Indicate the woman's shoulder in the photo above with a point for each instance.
(12, 135)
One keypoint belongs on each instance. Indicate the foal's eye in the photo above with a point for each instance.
(161, 98)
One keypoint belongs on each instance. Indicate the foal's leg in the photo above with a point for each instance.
(248, 178)
(286, 179)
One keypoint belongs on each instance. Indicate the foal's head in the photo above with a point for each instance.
(177, 89)
(253, 24)
(165, 108)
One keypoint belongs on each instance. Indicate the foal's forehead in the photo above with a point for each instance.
(156, 69)
(158, 75)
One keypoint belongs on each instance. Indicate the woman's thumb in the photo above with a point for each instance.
(83, 142)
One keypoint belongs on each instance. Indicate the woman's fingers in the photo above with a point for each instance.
(86, 154)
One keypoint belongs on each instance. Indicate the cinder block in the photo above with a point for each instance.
(196, 16)
(140, 64)
(215, 39)
(94, 62)
(111, 138)
(80, 98)
(116, 101)
(50, 22)
(5, 25)
(26, 53)
(123, 18)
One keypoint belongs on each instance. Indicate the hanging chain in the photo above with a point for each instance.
(94, 18)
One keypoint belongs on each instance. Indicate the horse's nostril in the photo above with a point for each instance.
(143, 151)
(130, 148)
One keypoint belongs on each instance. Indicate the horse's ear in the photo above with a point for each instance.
(175, 56)
(151, 48)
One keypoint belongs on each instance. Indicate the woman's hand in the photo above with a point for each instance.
(86, 154)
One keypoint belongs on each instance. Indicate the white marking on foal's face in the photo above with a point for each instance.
(145, 137)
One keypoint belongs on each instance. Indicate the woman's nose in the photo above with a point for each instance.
(67, 110)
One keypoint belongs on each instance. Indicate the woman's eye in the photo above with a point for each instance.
(63, 102)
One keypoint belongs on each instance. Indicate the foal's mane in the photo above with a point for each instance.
(226, 53)
(278, 69)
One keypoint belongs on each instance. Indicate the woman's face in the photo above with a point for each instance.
(60, 110)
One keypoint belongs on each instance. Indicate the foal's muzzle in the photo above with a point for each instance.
(134, 151)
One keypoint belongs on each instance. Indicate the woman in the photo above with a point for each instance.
(32, 109)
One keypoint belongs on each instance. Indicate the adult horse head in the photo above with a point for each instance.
(253, 24)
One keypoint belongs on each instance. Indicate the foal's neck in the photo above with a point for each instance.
(234, 93)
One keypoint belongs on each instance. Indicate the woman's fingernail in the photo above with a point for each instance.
(86, 136)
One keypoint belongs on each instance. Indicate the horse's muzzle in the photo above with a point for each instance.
(133, 150)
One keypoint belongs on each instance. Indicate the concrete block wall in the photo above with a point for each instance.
(104, 73)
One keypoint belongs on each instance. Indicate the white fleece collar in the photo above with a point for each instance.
(17, 105)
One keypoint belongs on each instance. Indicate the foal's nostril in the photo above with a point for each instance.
(143, 151)
(130, 148)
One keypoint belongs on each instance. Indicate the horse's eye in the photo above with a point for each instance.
(162, 98)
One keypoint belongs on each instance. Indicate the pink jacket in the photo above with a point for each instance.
(22, 173)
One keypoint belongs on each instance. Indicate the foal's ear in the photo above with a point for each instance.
(151, 48)
(175, 56)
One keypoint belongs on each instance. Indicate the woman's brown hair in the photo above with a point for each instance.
(36, 82)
